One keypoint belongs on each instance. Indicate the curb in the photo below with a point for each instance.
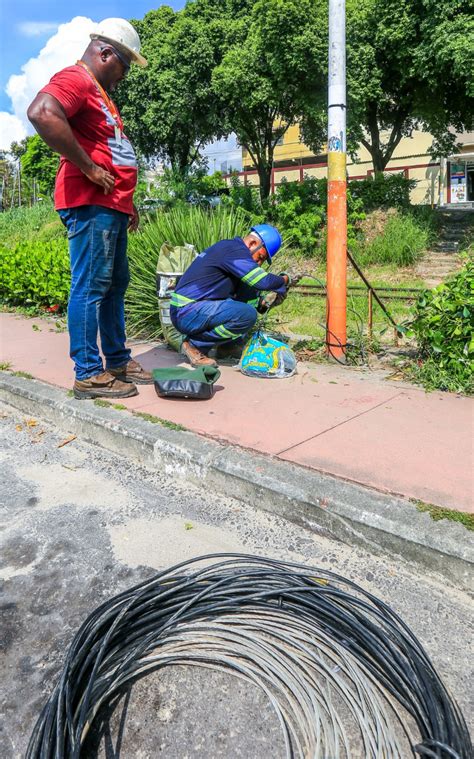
(324, 504)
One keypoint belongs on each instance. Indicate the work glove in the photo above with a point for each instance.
(269, 300)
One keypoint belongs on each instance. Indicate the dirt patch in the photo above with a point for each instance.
(374, 223)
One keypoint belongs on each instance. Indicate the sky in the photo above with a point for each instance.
(40, 37)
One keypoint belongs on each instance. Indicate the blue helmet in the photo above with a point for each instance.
(270, 237)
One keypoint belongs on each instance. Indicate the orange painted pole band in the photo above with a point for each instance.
(336, 334)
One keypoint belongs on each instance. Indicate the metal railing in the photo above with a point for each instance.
(387, 292)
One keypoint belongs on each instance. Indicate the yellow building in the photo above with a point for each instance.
(449, 181)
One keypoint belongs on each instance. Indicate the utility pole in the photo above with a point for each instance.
(337, 205)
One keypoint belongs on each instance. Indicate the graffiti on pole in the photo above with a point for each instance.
(336, 143)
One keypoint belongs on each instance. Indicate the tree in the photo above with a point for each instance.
(38, 162)
(273, 75)
(169, 107)
(401, 75)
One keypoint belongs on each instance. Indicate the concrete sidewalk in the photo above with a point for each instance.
(351, 423)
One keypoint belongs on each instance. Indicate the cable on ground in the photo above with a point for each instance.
(343, 673)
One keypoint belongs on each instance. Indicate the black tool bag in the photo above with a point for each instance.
(176, 382)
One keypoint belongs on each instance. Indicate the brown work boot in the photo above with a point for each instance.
(132, 372)
(195, 357)
(103, 385)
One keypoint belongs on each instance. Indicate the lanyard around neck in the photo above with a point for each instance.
(108, 101)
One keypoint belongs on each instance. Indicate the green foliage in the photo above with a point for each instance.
(179, 225)
(35, 273)
(246, 197)
(40, 222)
(444, 327)
(209, 184)
(170, 107)
(382, 191)
(40, 163)
(439, 512)
(273, 72)
(402, 242)
(175, 186)
(299, 210)
(407, 69)
(158, 420)
(300, 213)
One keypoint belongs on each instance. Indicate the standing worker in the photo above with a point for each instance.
(97, 175)
(214, 301)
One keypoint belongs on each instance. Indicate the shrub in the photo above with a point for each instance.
(402, 242)
(444, 327)
(174, 188)
(299, 210)
(38, 222)
(382, 191)
(246, 197)
(35, 273)
(182, 224)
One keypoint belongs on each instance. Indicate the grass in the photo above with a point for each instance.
(306, 315)
(141, 414)
(25, 375)
(402, 242)
(439, 512)
(107, 404)
(157, 420)
(40, 222)
(5, 366)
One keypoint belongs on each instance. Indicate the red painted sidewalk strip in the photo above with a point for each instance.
(348, 422)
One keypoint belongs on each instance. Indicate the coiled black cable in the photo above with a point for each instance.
(323, 650)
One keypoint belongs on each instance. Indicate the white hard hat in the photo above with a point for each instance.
(121, 34)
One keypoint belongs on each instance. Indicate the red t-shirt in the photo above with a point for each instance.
(95, 130)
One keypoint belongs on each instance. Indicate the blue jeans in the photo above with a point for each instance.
(99, 277)
(212, 322)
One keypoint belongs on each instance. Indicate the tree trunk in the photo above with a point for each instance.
(379, 161)
(382, 155)
(265, 178)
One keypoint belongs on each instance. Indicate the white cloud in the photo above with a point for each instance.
(36, 28)
(11, 130)
(61, 50)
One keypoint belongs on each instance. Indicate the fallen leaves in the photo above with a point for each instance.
(67, 440)
(30, 425)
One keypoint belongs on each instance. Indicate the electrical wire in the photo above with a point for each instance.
(343, 673)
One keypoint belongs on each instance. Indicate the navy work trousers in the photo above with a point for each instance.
(209, 323)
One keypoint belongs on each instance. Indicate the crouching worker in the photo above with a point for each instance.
(215, 300)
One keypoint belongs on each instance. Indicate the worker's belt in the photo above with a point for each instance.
(179, 301)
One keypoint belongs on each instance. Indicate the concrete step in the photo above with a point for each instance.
(448, 233)
(447, 249)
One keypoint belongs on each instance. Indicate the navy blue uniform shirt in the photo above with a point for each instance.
(219, 271)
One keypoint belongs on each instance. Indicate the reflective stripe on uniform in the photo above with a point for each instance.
(222, 331)
(179, 301)
(253, 302)
(254, 276)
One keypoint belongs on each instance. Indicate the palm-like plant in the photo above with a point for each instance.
(180, 225)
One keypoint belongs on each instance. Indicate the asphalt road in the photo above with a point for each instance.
(80, 525)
